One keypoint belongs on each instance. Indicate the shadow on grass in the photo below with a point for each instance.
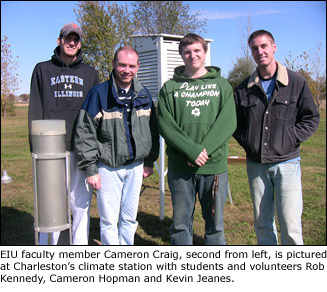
(155, 228)
(17, 228)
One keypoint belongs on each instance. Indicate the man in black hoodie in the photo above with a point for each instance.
(58, 89)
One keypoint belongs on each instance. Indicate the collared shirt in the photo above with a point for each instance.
(126, 98)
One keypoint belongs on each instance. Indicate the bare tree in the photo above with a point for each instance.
(244, 65)
(318, 61)
(9, 78)
(245, 34)
(298, 63)
(312, 65)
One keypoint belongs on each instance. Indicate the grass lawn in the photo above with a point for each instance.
(17, 206)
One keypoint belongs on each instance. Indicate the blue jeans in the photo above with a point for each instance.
(184, 188)
(118, 201)
(280, 184)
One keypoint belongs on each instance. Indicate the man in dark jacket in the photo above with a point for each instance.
(275, 113)
(58, 89)
(118, 142)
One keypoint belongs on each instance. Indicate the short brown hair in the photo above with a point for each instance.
(260, 32)
(126, 48)
(190, 39)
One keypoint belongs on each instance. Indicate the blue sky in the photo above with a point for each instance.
(32, 28)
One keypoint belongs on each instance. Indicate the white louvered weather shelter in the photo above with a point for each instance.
(159, 57)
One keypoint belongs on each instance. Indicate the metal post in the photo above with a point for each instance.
(162, 174)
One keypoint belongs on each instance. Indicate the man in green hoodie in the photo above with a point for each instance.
(196, 117)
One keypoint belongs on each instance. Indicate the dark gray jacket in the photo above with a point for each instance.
(272, 131)
(102, 132)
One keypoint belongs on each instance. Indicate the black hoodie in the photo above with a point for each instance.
(58, 92)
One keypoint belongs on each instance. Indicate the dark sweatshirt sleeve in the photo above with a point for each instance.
(35, 108)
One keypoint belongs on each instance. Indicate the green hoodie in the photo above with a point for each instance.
(197, 114)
